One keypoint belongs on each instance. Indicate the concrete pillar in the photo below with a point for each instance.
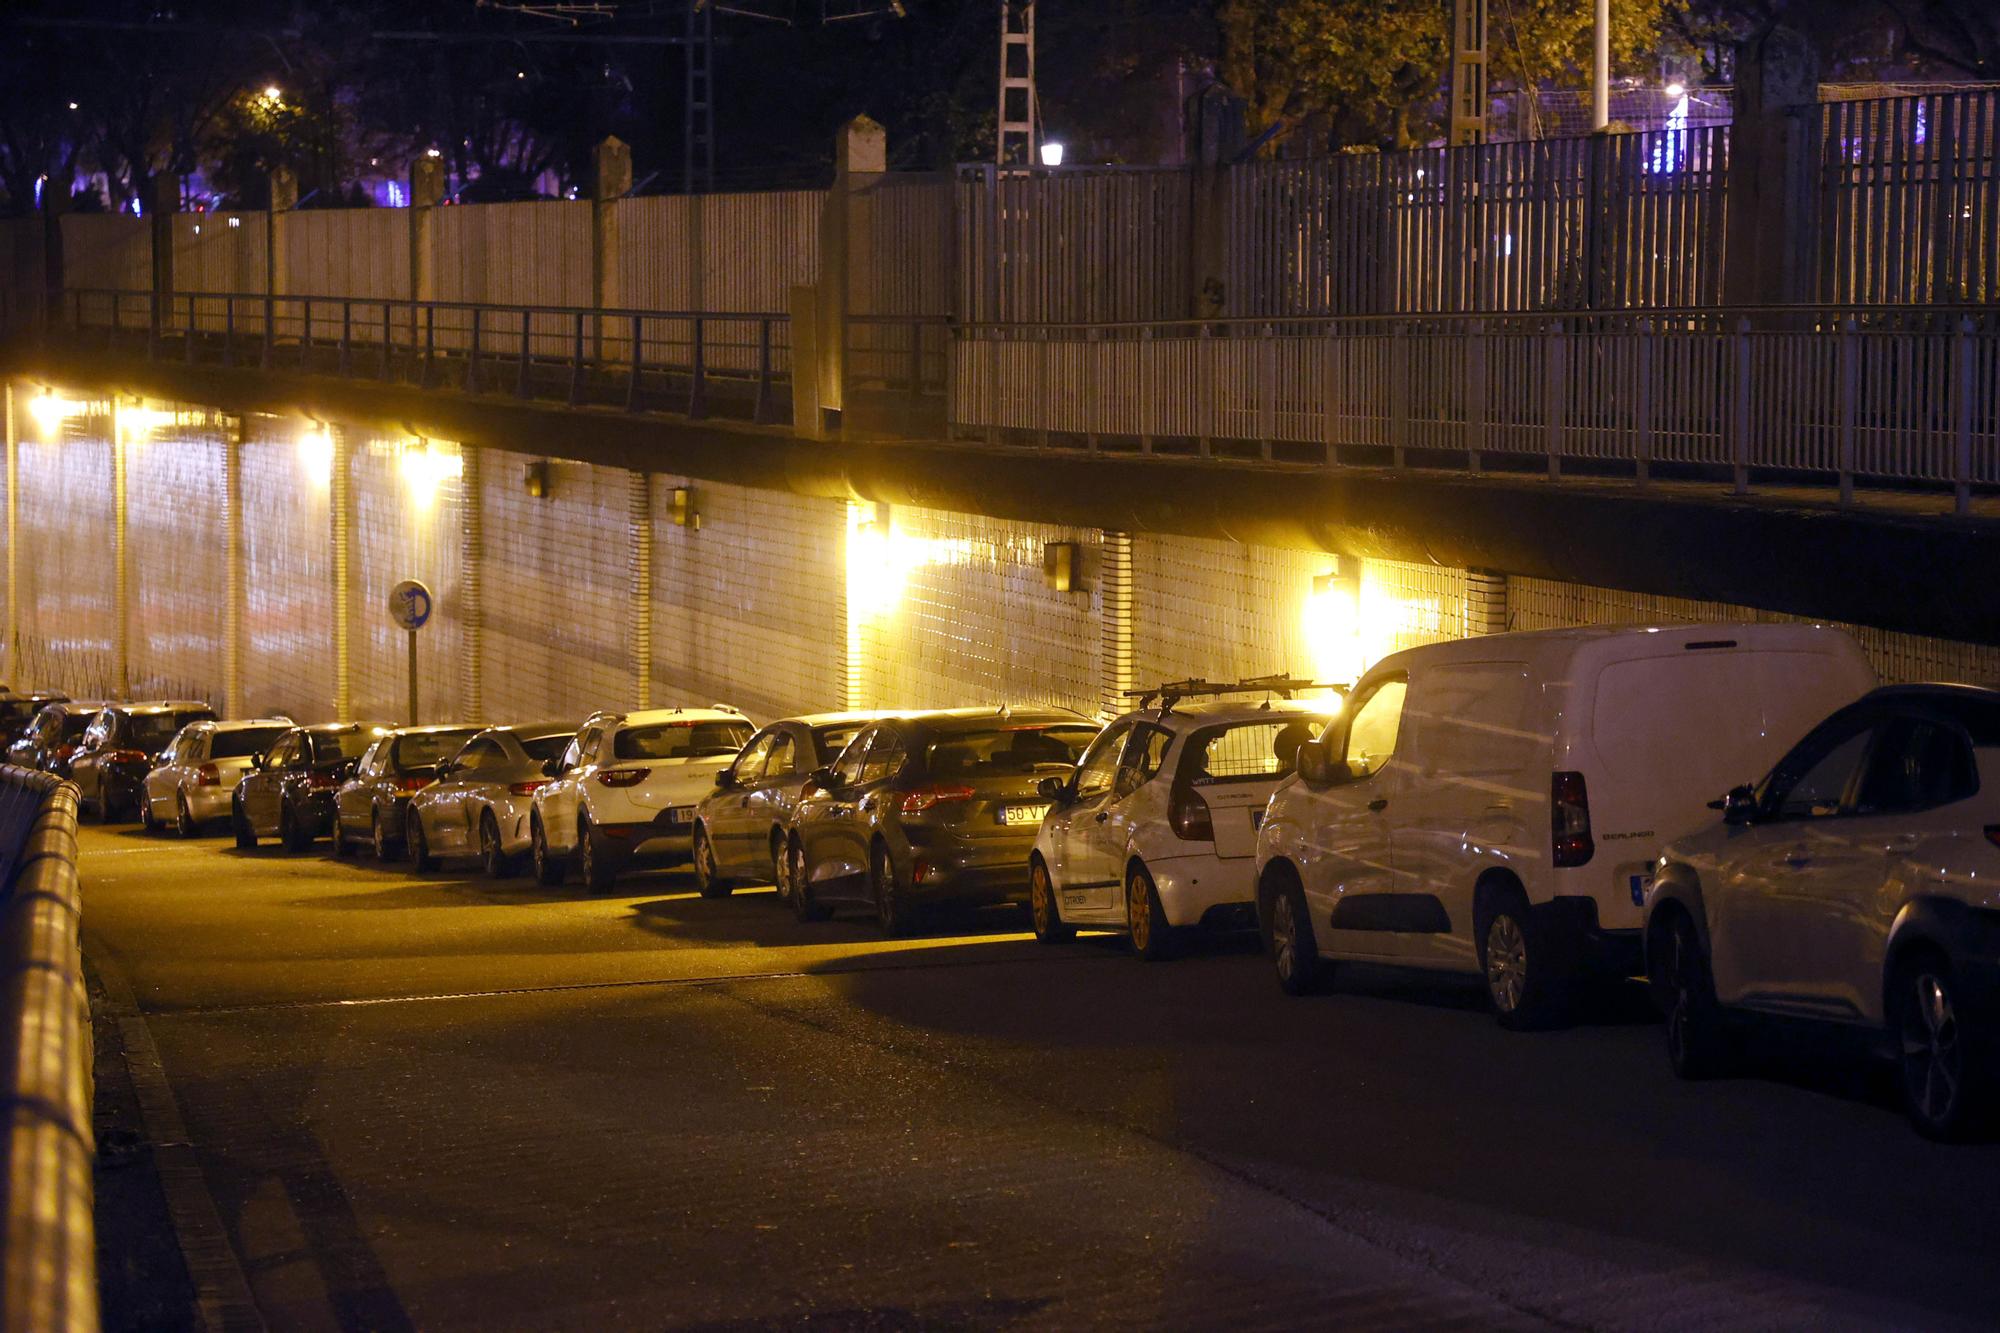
(121, 575)
(426, 189)
(340, 515)
(161, 210)
(861, 153)
(14, 662)
(640, 496)
(233, 704)
(1767, 244)
(1485, 602)
(284, 198)
(611, 180)
(471, 586)
(1114, 584)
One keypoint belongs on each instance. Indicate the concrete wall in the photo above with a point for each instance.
(602, 589)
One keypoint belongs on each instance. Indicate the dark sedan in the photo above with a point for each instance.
(369, 806)
(740, 828)
(927, 809)
(118, 750)
(18, 710)
(288, 792)
(52, 737)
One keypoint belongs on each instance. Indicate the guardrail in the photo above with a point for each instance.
(1846, 396)
(48, 1255)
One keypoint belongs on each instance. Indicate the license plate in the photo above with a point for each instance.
(681, 814)
(1256, 819)
(1022, 814)
(1639, 883)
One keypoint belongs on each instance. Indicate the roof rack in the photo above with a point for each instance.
(1173, 692)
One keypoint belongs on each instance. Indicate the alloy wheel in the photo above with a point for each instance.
(1506, 962)
(1284, 937)
(1933, 1058)
(183, 817)
(1139, 912)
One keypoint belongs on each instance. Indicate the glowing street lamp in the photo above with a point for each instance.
(1052, 153)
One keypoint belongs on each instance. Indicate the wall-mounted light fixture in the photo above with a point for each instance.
(1062, 566)
(535, 479)
(680, 508)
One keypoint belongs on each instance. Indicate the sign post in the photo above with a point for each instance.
(410, 608)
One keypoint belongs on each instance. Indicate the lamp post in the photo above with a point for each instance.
(1600, 68)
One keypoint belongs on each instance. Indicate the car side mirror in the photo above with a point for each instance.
(552, 768)
(1738, 807)
(725, 780)
(823, 779)
(1316, 766)
(1054, 789)
(445, 769)
(257, 760)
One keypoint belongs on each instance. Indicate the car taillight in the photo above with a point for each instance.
(527, 788)
(62, 753)
(1188, 816)
(208, 775)
(128, 757)
(322, 781)
(926, 798)
(621, 777)
(1569, 820)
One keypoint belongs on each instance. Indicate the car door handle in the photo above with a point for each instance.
(1379, 804)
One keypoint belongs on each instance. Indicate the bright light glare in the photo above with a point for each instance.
(1350, 624)
(1676, 89)
(50, 411)
(1332, 628)
(1052, 153)
(274, 93)
(316, 454)
(137, 421)
(426, 467)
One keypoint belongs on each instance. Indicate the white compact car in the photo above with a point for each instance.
(1156, 829)
(1858, 884)
(197, 773)
(1495, 805)
(629, 787)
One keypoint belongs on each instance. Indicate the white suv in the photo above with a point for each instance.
(1156, 829)
(629, 786)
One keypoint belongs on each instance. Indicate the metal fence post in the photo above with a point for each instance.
(522, 384)
(346, 339)
(1961, 454)
(1399, 392)
(153, 326)
(1267, 390)
(270, 332)
(916, 371)
(761, 414)
(1148, 382)
(1329, 382)
(1554, 406)
(576, 361)
(472, 356)
(634, 396)
(1475, 393)
(1739, 416)
(388, 362)
(698, 384)
(1041, 390)
(187, 337)
(1204, 390)
(1850, 384)
(430, 346)
(1642, 400)
(305, 334)
(1090, 345)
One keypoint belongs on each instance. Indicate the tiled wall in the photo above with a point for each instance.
(174, 535)
(65, 556)
(406, 509)
(288, 660)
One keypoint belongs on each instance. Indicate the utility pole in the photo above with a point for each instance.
(1600, 68)
(1468, 72)
(1018, 139)
(698, 143)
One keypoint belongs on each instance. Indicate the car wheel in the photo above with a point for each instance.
(706, 878)
(1293, 948)
(341, 846)
(778, 876)
(146, 820)
(184, 823)
(1513, 955)
(550, 869)
(1043, 909)
(386, 847)
(497, 864)
(594, 859)
(239, 823)
(1697, 1045)
(1145, 920)
(1946, 1086)
(805, 906)
(892, 899)
(419, 847)
(290, 833)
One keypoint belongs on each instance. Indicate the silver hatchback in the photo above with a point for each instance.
(198, 771)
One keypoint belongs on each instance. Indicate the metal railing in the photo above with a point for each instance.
(48, 1258)
(1819, 395)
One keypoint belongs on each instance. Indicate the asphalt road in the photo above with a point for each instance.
(449, 1102)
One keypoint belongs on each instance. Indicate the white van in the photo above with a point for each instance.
(1497, 804)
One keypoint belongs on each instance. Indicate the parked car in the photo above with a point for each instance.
(741, 826)
(196, 776)
(288, 793)
(930, 808)
(480, 802)
(118, 748)
(1858, 885)
(18, 710)
(370, 806)
(52, 737)
(1156, 830)
(629, 788)
(1496, 805)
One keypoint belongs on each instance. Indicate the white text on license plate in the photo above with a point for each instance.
(1023, 814)
(681, 814)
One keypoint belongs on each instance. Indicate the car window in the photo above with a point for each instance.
(238, 742)
(1373, 728)
(481, 755)
(1142, 757)
(832, 740)
(679, 740)
(328, 747)
(1098, 768)
(784, 756)
(1916, 764)
(1045, 747)
(281, 753)
(885, 757)
(847, 768)
(76, 724)
(578, 752)
(749, 765)
(1813, 780)
(423, 750)
(1249, 751)
(541, 749)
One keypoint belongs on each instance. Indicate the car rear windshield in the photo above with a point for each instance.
(328, 747)
(428, 749)
(13, 710)
(237, 743)
(1249, 751)
(152, 731)
(1001, 751)
(681, 740)
(75, 724)
(544, 748)
(832, 740)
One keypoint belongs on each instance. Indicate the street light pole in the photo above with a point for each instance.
(1600, 68)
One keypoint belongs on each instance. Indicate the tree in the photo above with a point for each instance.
(1854, 39)
(1372, 71)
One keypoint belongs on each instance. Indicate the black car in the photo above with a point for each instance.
(119, 748)
(17, 710)
(930, 808)
(288, 792)
(52, 737)
(740, 829)
(369, 806)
